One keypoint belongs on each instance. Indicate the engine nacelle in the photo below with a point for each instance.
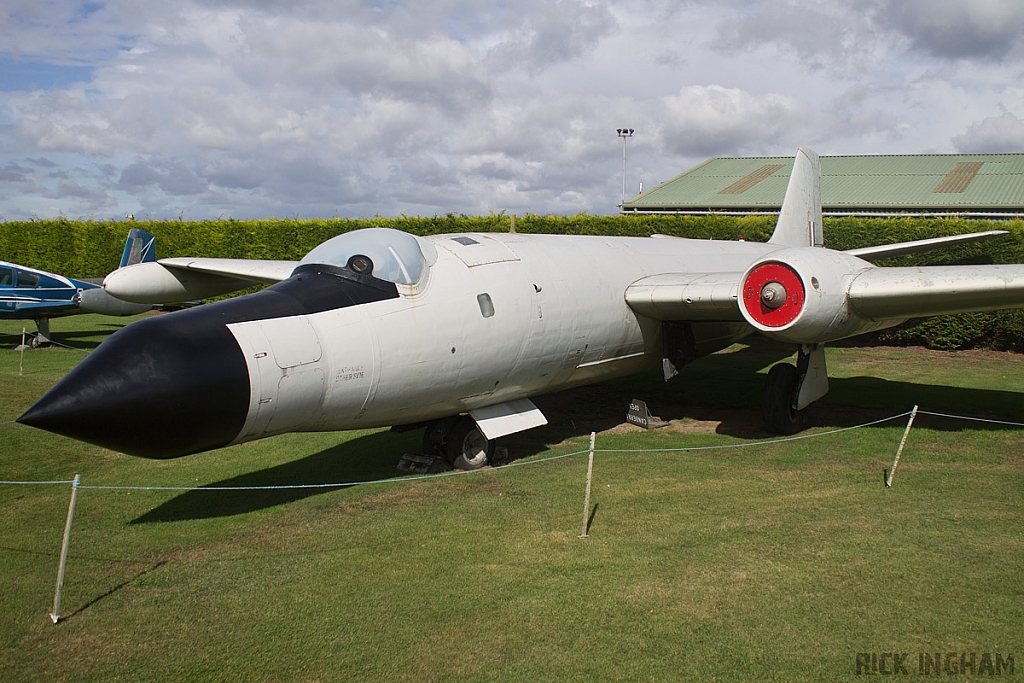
(98, 301)
(799, 295)
(152, 283)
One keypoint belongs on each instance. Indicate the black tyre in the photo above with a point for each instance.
(468, 448)
(435, 437)
(777, 401)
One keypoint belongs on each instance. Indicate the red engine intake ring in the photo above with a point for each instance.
(755, 305)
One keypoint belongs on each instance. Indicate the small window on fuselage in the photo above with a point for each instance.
(486, 305)
(6, 276)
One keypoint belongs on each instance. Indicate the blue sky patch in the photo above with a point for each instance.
(15, 76)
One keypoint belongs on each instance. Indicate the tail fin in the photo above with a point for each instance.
(139, 248)
(800, 218)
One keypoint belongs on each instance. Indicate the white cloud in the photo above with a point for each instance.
(958, 29)
(1004, 133)
(248, 108)
(713, 120)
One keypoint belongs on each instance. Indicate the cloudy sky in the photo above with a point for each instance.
(356, 108)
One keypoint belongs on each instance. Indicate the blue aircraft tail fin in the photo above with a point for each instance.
(139, 248)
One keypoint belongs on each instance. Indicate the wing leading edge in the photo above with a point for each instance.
(687, 296)
(901, 293)
(173, 280)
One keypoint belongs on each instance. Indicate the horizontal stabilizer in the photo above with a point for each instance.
(900, 293)
(508, 418)
(917, 246)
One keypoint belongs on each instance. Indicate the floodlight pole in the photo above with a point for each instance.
(624, 133)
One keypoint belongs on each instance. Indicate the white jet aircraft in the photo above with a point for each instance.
(377, 327)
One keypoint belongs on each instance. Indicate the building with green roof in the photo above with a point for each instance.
(970, 185)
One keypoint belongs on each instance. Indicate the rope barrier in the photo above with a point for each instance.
(55, 343)
(73, 348)
(974, 419)
(753, 443)
(337, 485)
(76, 482)
(537, 461)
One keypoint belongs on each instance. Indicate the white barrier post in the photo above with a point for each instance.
(590, 473)
(55, 614)
(903, 442)
(21, 364)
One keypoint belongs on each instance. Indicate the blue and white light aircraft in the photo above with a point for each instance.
(32, 294)
(457, 332)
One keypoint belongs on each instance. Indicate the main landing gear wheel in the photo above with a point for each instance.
(780, 417)
(459, 441)
(468, 448)
(435, 438)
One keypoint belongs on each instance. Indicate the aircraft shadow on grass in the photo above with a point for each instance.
(733, 404)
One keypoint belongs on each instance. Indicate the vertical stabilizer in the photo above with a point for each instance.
(800, 218)
(140, 247)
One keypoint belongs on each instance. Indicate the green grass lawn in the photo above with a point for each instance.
(766, 562)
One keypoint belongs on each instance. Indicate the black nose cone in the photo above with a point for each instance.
(162, 387)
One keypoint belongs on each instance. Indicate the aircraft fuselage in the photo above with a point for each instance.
(507, 317)
(491, 319)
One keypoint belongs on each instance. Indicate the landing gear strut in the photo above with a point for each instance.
(459, 441)
(789, 389)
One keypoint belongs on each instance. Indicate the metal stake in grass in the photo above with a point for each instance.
(21, 364)
(586, 498)
(55, 614)
(903, 442)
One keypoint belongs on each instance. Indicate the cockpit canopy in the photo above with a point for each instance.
(397, 256)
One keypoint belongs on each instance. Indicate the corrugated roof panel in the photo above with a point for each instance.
(880, 183)
(737, 168)
(753, 178)
(959, 177)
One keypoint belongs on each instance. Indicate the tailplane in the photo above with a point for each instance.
(800, 218)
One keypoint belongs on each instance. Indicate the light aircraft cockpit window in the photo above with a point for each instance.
(27, 279)
(6, 276)
(486, 305)
(395, 256)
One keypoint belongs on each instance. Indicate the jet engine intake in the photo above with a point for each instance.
(799, 295)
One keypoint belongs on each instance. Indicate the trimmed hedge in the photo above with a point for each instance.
(93, 248)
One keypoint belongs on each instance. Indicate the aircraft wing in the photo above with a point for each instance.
(916, 246)
(687, 296)
(266, 272)
(866, 293)
(890, 293)
(174, 280)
